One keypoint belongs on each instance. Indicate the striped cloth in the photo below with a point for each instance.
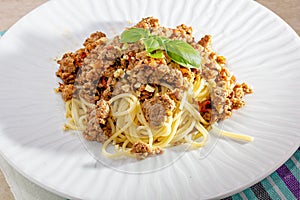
(284, 183)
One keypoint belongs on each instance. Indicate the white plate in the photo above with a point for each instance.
(261, 49)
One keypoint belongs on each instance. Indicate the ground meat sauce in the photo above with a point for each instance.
(158, 74)
(105, 68)
(142, 150)
(156, 109)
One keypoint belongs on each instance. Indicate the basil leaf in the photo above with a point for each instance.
(179, 51)
(157, 54)
(161, 40)
(183, 53)
(151, 44)
(165, 39)
(134, 34)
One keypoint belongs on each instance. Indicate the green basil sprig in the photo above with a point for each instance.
(178, 50)
(151, 44)
(134, 34)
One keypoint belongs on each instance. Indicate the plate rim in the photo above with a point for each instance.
(229, 193)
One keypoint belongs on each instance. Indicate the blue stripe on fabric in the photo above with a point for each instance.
(2, 33)
(281, 185)
(269, 188)
(237, 197)
(250, 194)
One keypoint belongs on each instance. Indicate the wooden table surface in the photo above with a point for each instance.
(13, 10)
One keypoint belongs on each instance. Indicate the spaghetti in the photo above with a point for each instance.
(142, 105)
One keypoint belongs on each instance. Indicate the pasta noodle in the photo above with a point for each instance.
(125, 97)
(185, 126)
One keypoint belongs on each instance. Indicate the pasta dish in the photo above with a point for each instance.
(150, 88)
